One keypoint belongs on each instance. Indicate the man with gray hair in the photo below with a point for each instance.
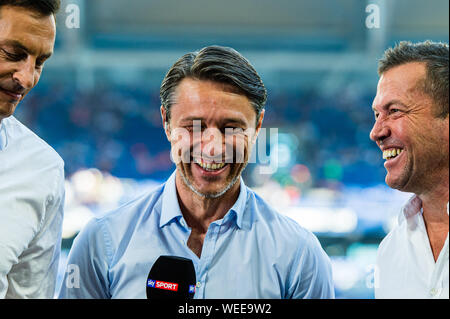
(212, 102)
(411, 129)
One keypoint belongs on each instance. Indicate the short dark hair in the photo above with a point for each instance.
(435, 55)
(219, 64)
(43, 7)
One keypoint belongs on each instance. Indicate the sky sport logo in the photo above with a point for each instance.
(192, 289)
(162, 285)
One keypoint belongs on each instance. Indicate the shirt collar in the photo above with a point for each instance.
(412, 208)
(238, 209)
(171, 209)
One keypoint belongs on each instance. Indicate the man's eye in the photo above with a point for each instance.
(233, 130)
(394, 110)
(191, 128)
(39, 64)
(12, 56)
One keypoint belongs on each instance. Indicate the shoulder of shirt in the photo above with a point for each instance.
(18, 131)
(131, 211)
(284, 226)
(110, 228)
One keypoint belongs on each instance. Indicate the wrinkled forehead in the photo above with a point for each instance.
(404, 82)
(209, 100)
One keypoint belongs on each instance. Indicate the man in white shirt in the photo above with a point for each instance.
(31, 172)
(411, 128)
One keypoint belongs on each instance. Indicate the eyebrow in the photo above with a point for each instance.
(191, 119)
(18, 45)
(236, 121)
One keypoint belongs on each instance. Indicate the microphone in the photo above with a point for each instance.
(171, 277)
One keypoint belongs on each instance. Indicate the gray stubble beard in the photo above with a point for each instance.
(211, 196)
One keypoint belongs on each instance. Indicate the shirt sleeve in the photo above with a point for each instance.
(86, 275)
(311, 275)
(34, 276)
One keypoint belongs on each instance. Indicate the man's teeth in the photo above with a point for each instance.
(391, 153)
(210, 166)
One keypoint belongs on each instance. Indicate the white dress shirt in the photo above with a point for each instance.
(405, 264)
(31, 213)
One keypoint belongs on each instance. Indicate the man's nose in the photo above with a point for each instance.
(210, 143)
(213, 143)
(25, 74)
(380, 130)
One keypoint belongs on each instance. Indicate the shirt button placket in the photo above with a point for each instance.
(207, 255)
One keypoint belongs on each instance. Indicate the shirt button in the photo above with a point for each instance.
(199, 284)
(49, 200)
(433, 292)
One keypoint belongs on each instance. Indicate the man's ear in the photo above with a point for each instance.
(258, 126)
(165, 122)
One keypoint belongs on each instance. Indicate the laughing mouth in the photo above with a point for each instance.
(207, 166)
(391, 153)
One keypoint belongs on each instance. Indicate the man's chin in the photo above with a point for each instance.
(6, 111)
(393, 185)
(210, 190)
(399, 183)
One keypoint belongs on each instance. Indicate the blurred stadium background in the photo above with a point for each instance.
(98, 103)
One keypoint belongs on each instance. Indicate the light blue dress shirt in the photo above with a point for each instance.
(253, 252)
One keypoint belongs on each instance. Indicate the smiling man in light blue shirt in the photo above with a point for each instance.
(212, 110)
